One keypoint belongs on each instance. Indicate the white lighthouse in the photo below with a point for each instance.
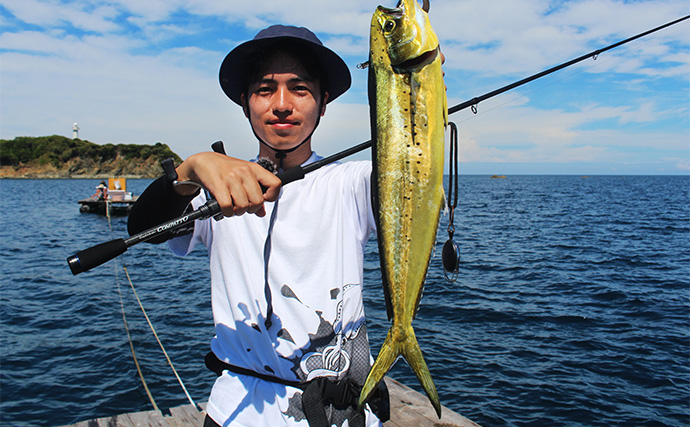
(75, 131)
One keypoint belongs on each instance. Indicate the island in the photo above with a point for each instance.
(57, 156)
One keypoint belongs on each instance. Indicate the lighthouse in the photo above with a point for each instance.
(75, 131)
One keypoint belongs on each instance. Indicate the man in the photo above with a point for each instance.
(101, 191)
(291, 344)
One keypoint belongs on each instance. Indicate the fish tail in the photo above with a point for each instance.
(390, 350)
(413, 354)
(397, 344)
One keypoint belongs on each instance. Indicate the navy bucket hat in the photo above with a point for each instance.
(337, 75)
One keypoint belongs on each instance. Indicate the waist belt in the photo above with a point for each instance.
(318, 393)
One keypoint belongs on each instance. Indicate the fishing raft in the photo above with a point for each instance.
(116, 201)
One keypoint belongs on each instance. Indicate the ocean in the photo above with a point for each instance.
(571, 306)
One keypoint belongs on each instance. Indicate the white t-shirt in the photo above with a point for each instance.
(315, 273)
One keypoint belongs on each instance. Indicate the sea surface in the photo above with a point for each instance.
(571, 307)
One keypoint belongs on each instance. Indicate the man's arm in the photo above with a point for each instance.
(236, 185)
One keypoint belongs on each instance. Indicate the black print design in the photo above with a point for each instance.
(331, 352)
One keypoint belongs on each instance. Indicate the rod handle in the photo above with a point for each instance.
(95, 256)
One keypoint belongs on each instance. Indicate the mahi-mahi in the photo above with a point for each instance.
(408, 117)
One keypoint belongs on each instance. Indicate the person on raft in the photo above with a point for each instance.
(290, 345)
(101, 192)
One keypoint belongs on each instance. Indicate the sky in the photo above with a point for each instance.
(146, 71)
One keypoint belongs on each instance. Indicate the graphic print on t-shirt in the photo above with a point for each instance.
(334, 350)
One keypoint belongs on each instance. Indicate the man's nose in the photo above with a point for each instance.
(283, 100)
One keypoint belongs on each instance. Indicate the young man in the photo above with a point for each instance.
(291, 345)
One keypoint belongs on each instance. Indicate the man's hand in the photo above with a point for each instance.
(236, 184)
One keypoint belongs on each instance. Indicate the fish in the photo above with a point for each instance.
(409, 114)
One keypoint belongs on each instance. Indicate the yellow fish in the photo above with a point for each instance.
(408, 117)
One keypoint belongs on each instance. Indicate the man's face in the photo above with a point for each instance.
(284, 103)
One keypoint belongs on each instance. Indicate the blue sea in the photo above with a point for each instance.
(571, 306)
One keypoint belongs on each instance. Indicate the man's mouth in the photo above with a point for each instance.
(282, 124)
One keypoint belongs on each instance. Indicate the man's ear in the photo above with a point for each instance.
(245, 107)
(323, 103)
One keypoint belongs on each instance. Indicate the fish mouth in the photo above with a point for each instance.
(425, 5)
(420, 61)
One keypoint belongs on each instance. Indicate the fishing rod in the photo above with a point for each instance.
(476, 100)
(96, 255)
(99, 254)
(594, 54)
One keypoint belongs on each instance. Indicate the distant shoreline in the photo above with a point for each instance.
(75, 177)
(58, 157)
(9, 172)
(100, 176)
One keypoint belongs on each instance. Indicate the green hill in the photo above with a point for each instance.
(60, 157)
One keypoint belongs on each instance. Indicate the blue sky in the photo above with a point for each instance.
(132, 71)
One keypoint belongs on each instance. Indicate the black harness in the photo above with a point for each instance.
(318, 393)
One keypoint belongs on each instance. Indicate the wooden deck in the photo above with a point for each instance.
(408, 408)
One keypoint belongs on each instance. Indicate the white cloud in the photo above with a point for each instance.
(83, 16)
(517, 36)
(139, 71)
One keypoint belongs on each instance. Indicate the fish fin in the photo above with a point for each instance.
(413, 355)
(388, 354)
(445, 104)
(394, 345)
(444, 201)
(389, 305)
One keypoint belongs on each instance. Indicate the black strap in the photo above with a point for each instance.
(313, 406)
(218, 366)
(267, 257)
(318, 393)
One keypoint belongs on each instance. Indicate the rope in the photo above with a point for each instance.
(148, 320)
(131, 345)
(158, 339)
(124, 316)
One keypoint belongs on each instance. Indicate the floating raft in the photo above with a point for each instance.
(119, 201)
(105, 207)
(408, 408)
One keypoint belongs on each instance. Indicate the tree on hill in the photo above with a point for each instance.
(57, 150)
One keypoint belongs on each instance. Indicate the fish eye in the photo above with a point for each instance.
(388, 26)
